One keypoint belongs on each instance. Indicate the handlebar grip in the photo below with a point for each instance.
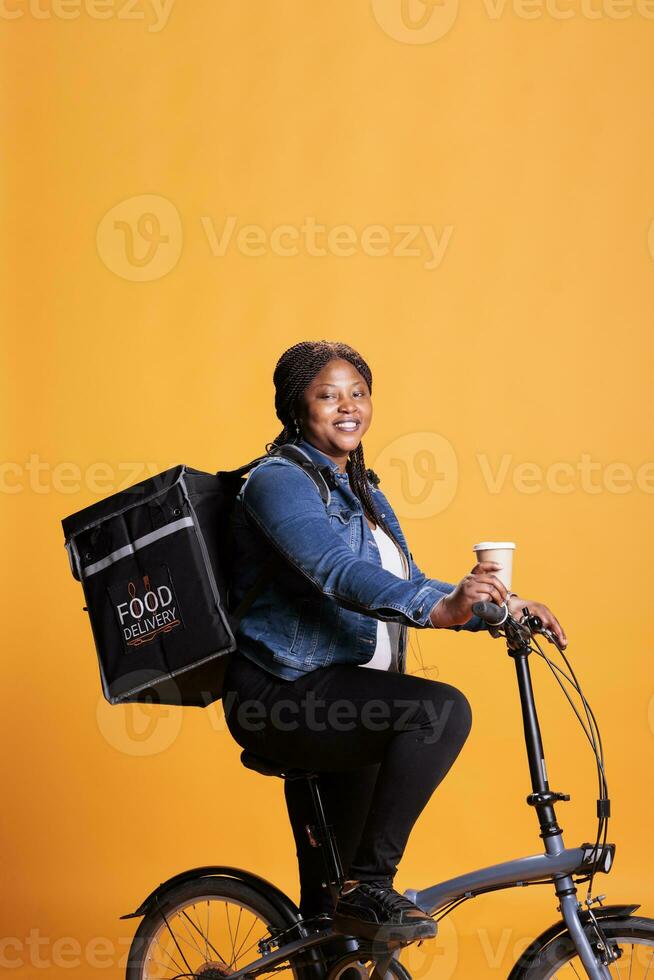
(491, 614)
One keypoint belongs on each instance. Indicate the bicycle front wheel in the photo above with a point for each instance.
(632, 937)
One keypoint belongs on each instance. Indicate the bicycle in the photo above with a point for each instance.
(206, 922)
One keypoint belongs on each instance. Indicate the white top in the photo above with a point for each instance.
(388, 634)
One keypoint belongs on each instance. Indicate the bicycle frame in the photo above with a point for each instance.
(557, 864)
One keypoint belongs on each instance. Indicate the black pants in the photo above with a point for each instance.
(382, 742)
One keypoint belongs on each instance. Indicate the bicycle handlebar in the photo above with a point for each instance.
(491, 613)
(494, 615)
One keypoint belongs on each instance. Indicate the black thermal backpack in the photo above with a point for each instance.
(154, 563)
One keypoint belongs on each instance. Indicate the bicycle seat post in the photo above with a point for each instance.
(322, 835)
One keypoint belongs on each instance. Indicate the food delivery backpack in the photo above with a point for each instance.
(154, 562)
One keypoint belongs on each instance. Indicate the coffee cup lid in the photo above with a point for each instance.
(487, 545)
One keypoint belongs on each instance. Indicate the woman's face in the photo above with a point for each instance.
(336, 410)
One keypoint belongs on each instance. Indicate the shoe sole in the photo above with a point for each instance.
(349, 926)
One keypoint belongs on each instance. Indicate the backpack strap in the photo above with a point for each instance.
(323, 479)
(321, 475)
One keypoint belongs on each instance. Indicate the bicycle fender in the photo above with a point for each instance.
(521, 968)
(282, 903)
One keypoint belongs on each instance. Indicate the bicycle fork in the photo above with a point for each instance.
(590, 958)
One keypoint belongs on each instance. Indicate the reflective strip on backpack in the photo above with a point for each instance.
(141, 542)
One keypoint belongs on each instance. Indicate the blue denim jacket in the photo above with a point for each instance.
(327, 590)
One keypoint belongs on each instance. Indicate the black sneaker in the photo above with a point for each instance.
(374, 910)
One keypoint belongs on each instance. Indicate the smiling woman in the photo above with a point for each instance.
(344, 591)
(324, 392)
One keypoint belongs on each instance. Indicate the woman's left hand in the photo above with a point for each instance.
(516, 604)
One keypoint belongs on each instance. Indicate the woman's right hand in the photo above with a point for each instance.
(481, 585)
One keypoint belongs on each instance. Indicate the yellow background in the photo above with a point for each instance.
(527, 134)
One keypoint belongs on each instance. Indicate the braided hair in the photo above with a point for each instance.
(294, 371)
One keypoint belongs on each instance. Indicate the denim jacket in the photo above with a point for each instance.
(327, 588)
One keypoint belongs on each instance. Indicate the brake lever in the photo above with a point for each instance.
(553, 638)
(535, 624)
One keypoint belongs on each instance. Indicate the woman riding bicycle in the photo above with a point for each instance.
(342, 589)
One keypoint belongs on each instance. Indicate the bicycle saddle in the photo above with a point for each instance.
(269, 768)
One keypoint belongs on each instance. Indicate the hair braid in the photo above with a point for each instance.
(294, 371)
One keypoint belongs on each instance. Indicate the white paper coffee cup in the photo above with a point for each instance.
(501, 551)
